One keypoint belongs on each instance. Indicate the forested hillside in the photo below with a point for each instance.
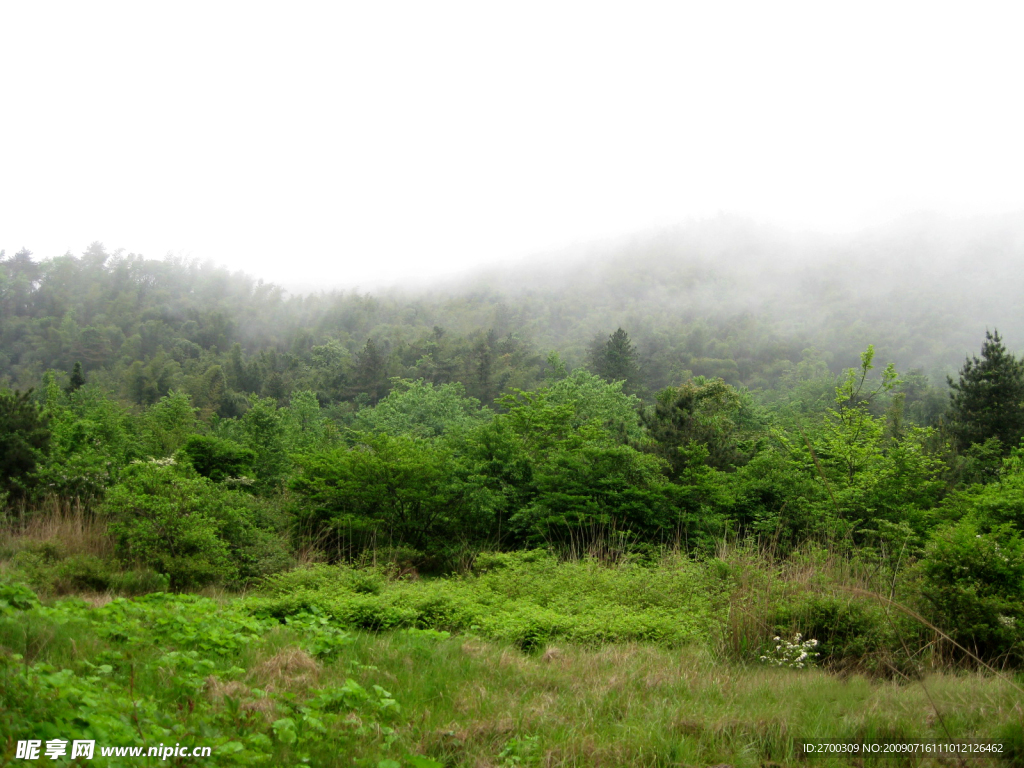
(722, 298)
(721, 437)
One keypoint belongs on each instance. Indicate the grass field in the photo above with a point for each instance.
(505, 667)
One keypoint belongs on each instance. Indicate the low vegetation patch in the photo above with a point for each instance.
(526, 599)
(305, 690)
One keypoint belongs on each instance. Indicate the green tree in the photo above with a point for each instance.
(93, 438)
(165, 516)
(988, 400)
(306, 428)
(262, 429)
(168, 424)
(392, 491)
(217, 458)
(973, 577)
(876, 476)
(371, 372)
(561, 464)
(616, 359)
(421, 409)
(24, 440)
(77, 378)
(699, 412)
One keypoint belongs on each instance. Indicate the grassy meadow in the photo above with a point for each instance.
(526, 659)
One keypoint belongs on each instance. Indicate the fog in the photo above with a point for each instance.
(342, 145)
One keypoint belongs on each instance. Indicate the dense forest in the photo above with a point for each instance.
(714, 387)
(721, 299)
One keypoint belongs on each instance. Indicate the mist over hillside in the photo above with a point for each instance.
(922, 289)
(723, 297)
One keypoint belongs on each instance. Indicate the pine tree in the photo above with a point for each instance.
(988, 401)
(24, 440)
(77, 379)
(616, 360)
(371, 374)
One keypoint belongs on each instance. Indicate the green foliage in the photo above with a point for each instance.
(874, 470)
(560, 468)
(597, 403)
(166, 669)
(421, 409)
(988, 400)
(305, 426)
(524, 598)
(164, 518)
(186, 526)
(779, 497)
(77, 379)
(217, 458)
(24, 441)
(16, 597)
(616, 360)
(168, 424)
(184, 622)
(49, 570)
(262, 430)
(974, 582)
(93, 438)
(698, 412)
(394, 489)
(851, 632)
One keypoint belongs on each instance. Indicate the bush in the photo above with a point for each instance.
(186, 526)
(139, 582)
(851, 633)
(16, 597)
(217, 458)
(83, 573)
(974, 583)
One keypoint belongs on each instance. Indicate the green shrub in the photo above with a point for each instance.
(48, 570)
(974, 584)
(83, 573)
(217, 458)
(16, 597)
(525, 599)
(139, 581)
(325, 577)
(167, 517)
(851, 632)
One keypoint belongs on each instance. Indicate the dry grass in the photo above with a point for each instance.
(762, 583)
(469, 702)
(217, 690)
(63, 522)
(290, 668)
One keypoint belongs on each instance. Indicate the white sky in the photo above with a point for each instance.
(361, 142)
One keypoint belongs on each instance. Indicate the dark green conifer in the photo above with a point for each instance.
(24, 440)
(616, 360)
(77, 378)
(988, 400)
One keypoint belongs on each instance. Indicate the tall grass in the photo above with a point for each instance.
(60, 522)
(475, 703)
(820, 590)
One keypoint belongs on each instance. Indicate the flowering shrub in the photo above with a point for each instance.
(796, 655)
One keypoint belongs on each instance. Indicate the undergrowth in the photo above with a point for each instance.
(307, 691)
(527, 599)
